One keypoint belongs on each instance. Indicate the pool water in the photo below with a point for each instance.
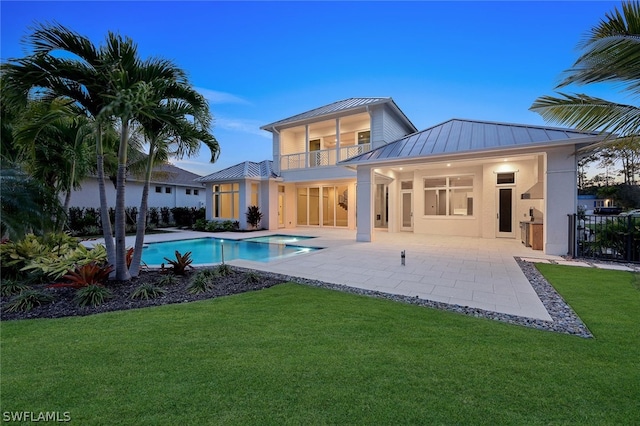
(278, 239)
(209, 250)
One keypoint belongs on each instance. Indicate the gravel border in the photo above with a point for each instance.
(564, 319)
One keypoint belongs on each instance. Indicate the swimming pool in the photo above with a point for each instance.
(209, 250)
(278, 239)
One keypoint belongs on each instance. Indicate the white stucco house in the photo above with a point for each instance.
(461, 177)
(170, 187)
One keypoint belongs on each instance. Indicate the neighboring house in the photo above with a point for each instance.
(461, 177)
(170, 187)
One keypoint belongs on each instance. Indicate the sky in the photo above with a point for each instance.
(259, 62)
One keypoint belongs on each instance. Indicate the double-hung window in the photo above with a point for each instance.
(448, 196)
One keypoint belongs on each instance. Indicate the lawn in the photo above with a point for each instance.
(294, 354)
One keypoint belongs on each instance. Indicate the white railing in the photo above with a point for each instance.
(320, 158)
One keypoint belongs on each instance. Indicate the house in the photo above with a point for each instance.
(461, 177)
(170, 186)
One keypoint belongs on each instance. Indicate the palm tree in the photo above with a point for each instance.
(175, 135)
(54, 139)
(611, 54)
(81, 80)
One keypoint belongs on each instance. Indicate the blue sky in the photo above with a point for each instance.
(258, 62)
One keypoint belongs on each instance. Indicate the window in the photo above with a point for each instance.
(226, 201)
(167, 190)
(364, 137)
(505, 178)
(196, 192)
(448, 196)
(158, 189)
(188, 191)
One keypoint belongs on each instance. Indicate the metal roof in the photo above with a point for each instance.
(337, 107)
(459, 136)
(247, 169)
(170, 174)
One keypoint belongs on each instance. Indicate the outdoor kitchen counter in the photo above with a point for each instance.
(531, 234)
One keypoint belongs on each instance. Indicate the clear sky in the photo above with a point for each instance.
(259, 62)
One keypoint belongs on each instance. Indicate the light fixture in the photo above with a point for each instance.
(448, 164)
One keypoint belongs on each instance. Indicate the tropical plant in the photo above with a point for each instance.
(251, 277)
(181, 263)
(25, 204)
(62, 259)
(224, 270)
(147, 291)
(202, 281)
(85, 275)
(610, 54)
(11, 287)
(168, 279)
(28, 299)
(254, 216)
(92, 295)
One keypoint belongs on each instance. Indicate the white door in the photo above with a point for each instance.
(505, 212)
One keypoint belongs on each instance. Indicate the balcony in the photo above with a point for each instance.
(321, 158)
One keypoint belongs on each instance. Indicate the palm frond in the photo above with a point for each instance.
(587, 113)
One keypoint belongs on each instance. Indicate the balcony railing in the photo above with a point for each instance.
(321, 158)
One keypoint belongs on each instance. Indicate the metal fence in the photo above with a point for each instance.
(605, 237)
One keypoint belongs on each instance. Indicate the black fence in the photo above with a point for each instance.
(605, 237)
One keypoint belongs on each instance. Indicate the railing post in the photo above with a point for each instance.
(572, 243)
(629, 246)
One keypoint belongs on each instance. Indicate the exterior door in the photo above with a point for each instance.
(281, 220)
(505, 213)
(407, 211)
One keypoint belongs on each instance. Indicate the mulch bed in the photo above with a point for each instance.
(64, 305)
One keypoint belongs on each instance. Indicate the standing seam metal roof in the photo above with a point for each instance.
(339, 106)
(247, 169)
(457, 136)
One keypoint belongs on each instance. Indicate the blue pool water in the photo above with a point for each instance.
(278, 239)
(209, 250)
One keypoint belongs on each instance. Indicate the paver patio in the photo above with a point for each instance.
(474, 272)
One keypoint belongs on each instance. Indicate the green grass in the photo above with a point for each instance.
(293, 354)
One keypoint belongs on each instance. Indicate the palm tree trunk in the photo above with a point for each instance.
(104, 205)
(141, 225)
(122, 272)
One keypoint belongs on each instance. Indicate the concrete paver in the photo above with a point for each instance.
(473, 272)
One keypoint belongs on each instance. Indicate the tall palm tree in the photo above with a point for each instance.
(175, 135)
(611, 54)
(81, 79)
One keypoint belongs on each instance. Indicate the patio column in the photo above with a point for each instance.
(560, 198)
(364, 204)
(338, 140)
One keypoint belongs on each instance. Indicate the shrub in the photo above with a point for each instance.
(202, 282)
(181, 263)
(254, 216)
(224, 270)
(27, 300)
(165, 215)
(169, 279)
(93, 295)
(200, 225)
(10, 287)
(147, 291)
(54, 267)
(251, 277)
(154, 216)
(85, 276)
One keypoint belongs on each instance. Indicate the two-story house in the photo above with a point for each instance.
(461, 177)
(304, 185)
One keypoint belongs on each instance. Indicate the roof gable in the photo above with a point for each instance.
(459, 136)
(244, 170)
